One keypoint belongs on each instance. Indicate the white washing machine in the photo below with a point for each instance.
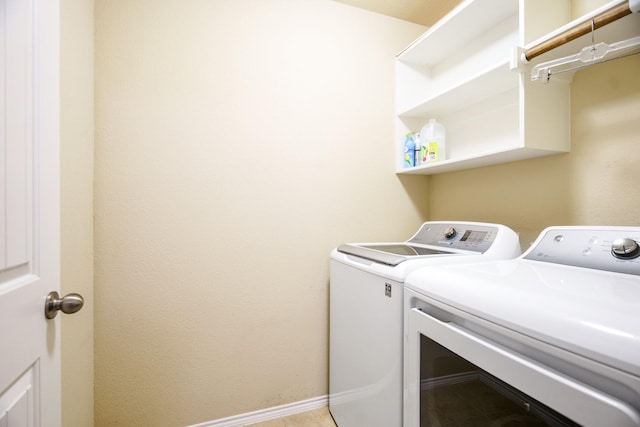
(366, 312)
(550, 338)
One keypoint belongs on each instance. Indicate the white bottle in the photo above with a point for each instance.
(432, 142)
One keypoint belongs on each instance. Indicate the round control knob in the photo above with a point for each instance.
(450, 232)
(625, 248)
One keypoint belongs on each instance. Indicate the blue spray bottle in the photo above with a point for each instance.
(409, 159)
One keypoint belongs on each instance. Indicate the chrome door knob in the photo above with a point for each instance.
(70, 303)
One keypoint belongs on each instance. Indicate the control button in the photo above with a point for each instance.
(558, 238)
(450, 232)
(625, 248)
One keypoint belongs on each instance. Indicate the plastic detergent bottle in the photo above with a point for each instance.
(432, 142)
(409, 150)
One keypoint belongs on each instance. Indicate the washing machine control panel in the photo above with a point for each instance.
(614, 249)
(463, 236)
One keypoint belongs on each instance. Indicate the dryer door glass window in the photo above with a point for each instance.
(455, 392)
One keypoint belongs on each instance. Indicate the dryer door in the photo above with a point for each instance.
(454, 373)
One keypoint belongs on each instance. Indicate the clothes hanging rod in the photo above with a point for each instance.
(598, 21)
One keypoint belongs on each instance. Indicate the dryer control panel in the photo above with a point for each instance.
(614, 249)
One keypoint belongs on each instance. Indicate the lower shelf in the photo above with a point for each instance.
(485, 159)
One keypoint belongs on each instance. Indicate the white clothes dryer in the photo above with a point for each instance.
(550, 338)
(366, 312)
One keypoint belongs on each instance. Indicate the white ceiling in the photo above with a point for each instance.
(423, 12)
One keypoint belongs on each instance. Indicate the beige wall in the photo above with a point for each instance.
(76, 157)
(237, 143)
(594, 184)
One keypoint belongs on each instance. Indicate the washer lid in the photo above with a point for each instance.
(389, 253)
(589, 312)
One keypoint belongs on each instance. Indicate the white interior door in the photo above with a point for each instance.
(29, 212)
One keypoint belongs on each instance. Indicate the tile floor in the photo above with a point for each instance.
(315, 418)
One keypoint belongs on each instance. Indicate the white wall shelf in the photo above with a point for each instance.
(505, 155)
(483, 85)
(456, 30)
(459, 73)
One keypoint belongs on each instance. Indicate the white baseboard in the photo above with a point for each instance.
(268, 413)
